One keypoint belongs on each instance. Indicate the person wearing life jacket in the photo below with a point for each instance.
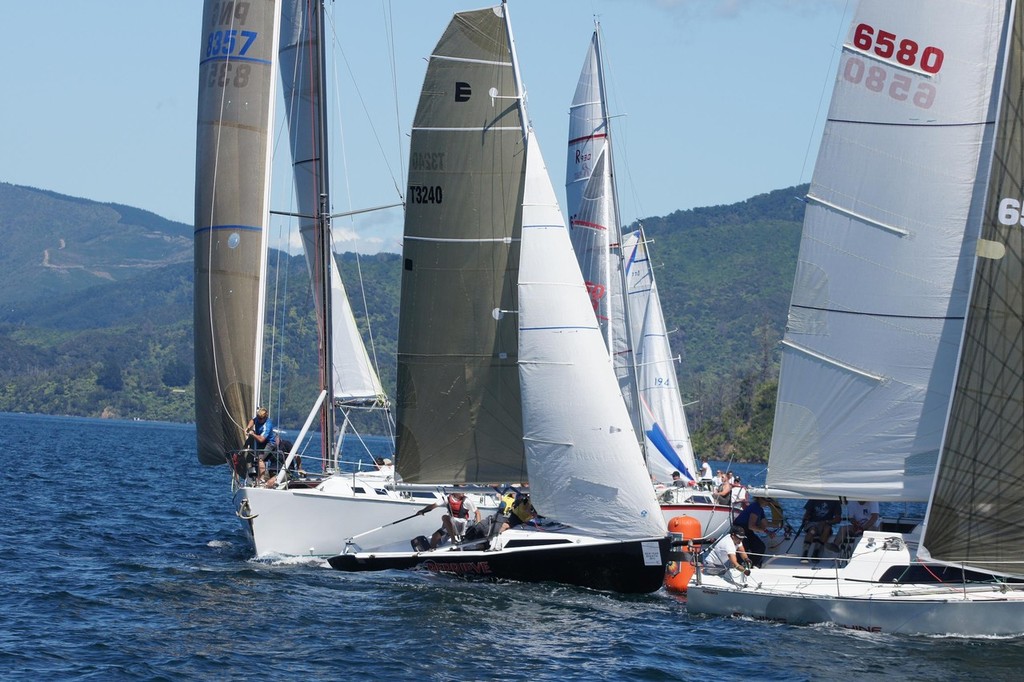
(461, 510)
(521, 512)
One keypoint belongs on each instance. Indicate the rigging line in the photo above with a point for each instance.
(389, 32)
(622, 131)
(362, 102)
(865, 313)
(829, 78)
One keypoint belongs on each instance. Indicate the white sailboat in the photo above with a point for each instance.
(617, 271)
(244, 47)
(496, 320)
(902, 374)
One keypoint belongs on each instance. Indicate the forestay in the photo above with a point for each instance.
(353, 377)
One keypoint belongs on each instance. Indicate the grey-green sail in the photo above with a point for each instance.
(974, 517)
(458, 400)
(237, 76)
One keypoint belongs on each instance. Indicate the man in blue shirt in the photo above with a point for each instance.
(752, 520)
(259, 434)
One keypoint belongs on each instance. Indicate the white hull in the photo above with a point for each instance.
(863, 594)
(318, 521)
(715, 519)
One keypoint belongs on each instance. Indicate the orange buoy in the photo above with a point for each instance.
(682, 554)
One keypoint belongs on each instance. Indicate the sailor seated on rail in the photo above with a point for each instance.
(862, 515)
(457, 521)
(819, 518)
(521, 512)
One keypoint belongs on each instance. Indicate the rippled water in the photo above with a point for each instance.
(121, 558)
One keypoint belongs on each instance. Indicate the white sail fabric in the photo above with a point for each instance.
(235, 116)
(585, 465)
(664, 420)
(594, 226)
(620, 282)
(973, 515)
(353, 376)
(881, 289)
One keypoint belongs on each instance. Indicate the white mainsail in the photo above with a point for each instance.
(881, 289)
(594, 225)
(620, 281)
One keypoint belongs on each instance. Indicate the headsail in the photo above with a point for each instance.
(594, 225)
(881, 286)
(974, 515)
(586, 466)
(354, 378)
(620, 281)
(664, 420)
(235, 114)
(459, 417)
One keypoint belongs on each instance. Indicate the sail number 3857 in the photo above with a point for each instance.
(907, 52)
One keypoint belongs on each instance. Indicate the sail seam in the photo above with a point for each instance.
(919, 124)
(467, 60)
(469, 129)
(504, 240)
(880, 315)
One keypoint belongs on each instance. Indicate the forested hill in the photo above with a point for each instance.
(97, 314)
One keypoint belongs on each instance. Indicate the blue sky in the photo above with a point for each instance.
(716, 100)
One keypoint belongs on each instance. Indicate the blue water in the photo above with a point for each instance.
(121, 558)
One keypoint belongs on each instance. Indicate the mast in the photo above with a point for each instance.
(324, 259)
(616, 248)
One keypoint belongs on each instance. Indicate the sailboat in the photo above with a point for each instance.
(244, 47)
(902, 375)
(617, 271)
(495, 320)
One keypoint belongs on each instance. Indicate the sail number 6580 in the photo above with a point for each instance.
(907, 51)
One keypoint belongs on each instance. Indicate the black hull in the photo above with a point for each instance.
(615, 567)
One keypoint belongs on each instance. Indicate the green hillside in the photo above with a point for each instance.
(99, 316)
